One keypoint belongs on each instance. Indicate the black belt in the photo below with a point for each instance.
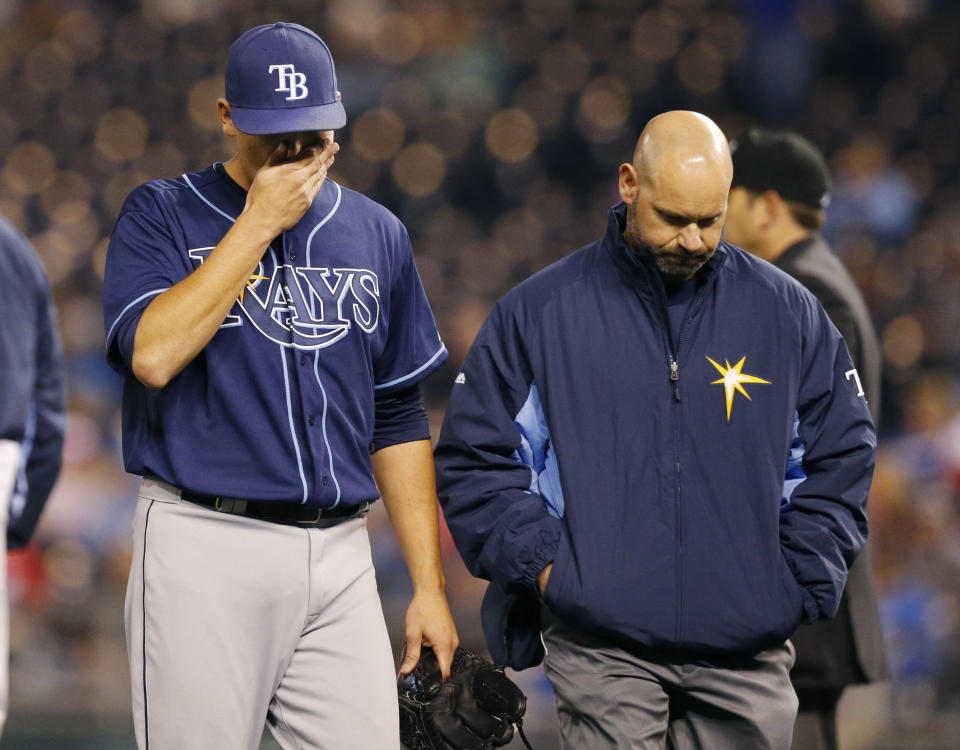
(293, 514)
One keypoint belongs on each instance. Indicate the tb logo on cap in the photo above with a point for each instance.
(290, 81)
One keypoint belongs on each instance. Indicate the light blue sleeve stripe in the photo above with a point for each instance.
(795, 474)
(124, 310)
(416, 372)
(160, 291)
(537, 453)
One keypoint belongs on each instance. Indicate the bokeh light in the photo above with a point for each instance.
(511, 135)
(605, 105)
(377, 134)
(66, 191)
(397, 38)
(903, 341)
(121, 135)
(172, 14)
(565, 66)
(49, 67)
(29, 168)
(202, 103)
(656, 35)
(82, 32)
(700, 67)
(419, 169)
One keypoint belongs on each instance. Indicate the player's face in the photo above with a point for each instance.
(254, 149)
(677, 221)
(744, 219)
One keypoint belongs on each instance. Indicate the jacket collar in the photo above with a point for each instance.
(641, 267)
(799, 248)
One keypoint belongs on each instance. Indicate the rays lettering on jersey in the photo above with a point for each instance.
(307, 308)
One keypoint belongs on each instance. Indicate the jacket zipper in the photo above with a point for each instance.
(675, 378)
(673, 361)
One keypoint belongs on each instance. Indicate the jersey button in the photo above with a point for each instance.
(293, 256)
(312, 420)
(324, 479)
(303, 359)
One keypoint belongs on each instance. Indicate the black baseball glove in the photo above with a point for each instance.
(475, 709)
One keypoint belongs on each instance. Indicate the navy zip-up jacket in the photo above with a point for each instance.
(31, 374)
(703, 495)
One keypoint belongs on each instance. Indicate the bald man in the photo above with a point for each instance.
(658, 453)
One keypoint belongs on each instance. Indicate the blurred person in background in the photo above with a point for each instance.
(271, 329)
(777, 206)
(31, 408)
(592, 461)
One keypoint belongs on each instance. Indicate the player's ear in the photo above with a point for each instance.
(769, 206)
(628, 183)
(226, 121)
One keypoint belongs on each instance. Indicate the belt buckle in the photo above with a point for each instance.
(230, 505)
(313, 520)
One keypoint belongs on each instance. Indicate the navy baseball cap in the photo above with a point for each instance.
(280, 79)
(783, 161)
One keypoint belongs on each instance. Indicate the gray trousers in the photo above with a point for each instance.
(232, 621)
(816, 727)
(609, 697)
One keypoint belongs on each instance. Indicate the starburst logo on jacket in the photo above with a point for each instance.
(733, 380)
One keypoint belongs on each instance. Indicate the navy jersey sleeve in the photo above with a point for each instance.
(824, 524)
(413, 347)
(43, 444)
(399, 417)
(31, 371)
(502, 527)
(141, 263)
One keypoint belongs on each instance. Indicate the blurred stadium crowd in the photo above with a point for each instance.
(494, 128)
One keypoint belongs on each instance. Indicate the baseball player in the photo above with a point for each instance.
(272, 330)
(31, 408)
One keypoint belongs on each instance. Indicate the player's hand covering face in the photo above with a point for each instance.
(285, 186)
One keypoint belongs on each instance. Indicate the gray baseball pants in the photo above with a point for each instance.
(231, 621)
(609, 697)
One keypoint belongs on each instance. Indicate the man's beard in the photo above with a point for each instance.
(674, 265)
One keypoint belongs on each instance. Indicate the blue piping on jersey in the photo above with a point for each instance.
(420, 369)
(202, 197)
(293, 431)
(124, 310)
(324, 220)
(286, 385)
(316, 356)
(795, 473)
(536, 452)
(323, 424)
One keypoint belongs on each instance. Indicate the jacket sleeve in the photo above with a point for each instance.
(44, 443)
(824, 524)
(501, 526)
